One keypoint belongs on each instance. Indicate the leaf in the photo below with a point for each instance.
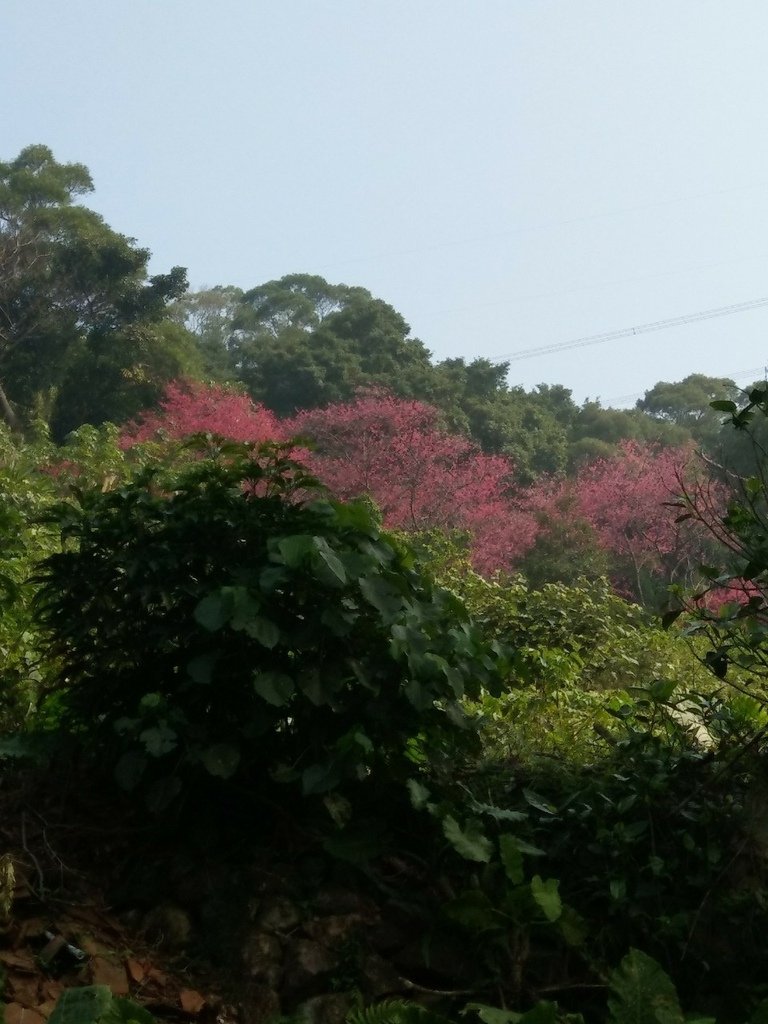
(547, 896)
(200, 669)
(274, 687)
(295, 550)
(538, 802)
(572, 927)
(492, 1014)
(221, 760)
(159, 739)
(85, 1005)
(330, 560)
(382, 595)
(642, 993)
(723, 406)
(129, 770)
(354, 847)
(499, 813)
(470, 843)
(511, 858)
(264, 630)
(339, 808)
(474, 910)
(162, 793)
(419, 794)
(125, 1011)
(671, 616)
(319, 778)
(212, 612)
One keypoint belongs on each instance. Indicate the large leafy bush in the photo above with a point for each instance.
(230, 619)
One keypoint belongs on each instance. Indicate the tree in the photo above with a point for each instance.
(67, 280)
(190, 407)
(300, 342)
(624, 499)
(687, 403)
(527, 427)
(208, 314)
(599, 432)
(731, 606)
(421, 477)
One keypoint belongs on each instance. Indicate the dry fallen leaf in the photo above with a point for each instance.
(191, 1001)
(104, 972)
(16, 1014)
(137, 971)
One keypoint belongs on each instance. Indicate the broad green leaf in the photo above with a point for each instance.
(339, 622)
(547, 896)
(492, 1014)
(723, 406)
(419, 695)
(474, 910)
(264, 630)
(244, 607)
(319, 778)
(543, 1012)
(330, 560)
(271, 578)
(538, 802)
(129, 770)
(212, 612)
(125, 1011)
(419, 794)
(162, 793)
(200, 669)
(86, 1005)
(380, 593)
(150, 701)
(297, 549)
(642, 993)
(354, 847)
(511, 858)
(572, 926)
(498, 813)
(159, 739)
(470, 843)
(274, 687)
(314, 687)
(221, 760)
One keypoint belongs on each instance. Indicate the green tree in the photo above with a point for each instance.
(67, 282)
(300, 342)
(687, 403)
(208, 314)
(596, 431)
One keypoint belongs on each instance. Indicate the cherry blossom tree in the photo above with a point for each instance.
(627, 501)
(420, 476)
(190, 407)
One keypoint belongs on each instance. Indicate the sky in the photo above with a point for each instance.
(508, 174)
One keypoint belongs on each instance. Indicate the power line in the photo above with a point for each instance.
(626, 332)
(752, 374)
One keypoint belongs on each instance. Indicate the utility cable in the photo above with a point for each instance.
(627, 332)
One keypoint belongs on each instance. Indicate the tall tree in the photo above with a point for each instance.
(300, 342)
(687, 404)
(422, 478)
(67, 280)
(190, 407)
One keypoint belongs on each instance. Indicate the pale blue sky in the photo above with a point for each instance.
(507, 173)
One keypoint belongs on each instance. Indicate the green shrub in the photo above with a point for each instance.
(228, 619)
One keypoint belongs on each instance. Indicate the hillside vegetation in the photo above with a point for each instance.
(427, 698)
